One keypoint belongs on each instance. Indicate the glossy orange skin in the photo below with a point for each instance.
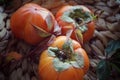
(91, 26)
(22, 19)
(47, 71)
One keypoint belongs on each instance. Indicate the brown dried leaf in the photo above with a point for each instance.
(34, 78)
(13, 75)
(12, 5)
(13, 55)
(117, 34)
(87, 48)
(50, 4)
(93, 64)
(109, 35)
(19, 72)
(24, 65)
(27, 76)
(99, 44)
(101, 37)
(98, 51)
(101, 24)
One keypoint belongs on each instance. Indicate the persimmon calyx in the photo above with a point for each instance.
(65, 57)
(41, 32)
(78, 17)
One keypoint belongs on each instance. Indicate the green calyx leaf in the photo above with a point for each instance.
(52, 50)
(59, 65)
(78, 62)
(66, 18)
(80, 13)
(68, 47)
(41, 32)
(83, 28)
(103, 70)
(112, 47)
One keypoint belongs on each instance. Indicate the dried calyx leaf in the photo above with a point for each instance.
(40, 31)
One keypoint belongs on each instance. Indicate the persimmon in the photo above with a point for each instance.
(32, 23)
(64, 59)
(76, 17)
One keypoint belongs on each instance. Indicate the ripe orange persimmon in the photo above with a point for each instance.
(76, 17)
(32, 23)
(63, 60)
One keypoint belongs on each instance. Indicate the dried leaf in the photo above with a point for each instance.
(24, 65)
(100, 45)
(51, 4)
(13, 75)
(101, 37)
(19, 72)
(41, 32)
(109, 34)
(93, 64)
(34, 78)
(12, 5)
(98, 51)
(87, 48)
(3, 33)
(27, 76)
(13, 55)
